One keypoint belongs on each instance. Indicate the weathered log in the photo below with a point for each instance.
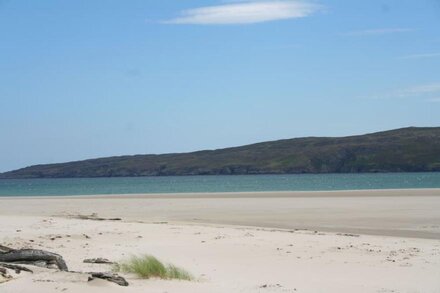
(98, 260)
(4, 249)
(17, 269)
(94, 217)
(4, 276)
(115, 278)
(32, 255)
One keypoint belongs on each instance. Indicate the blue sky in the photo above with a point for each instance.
(83, 79)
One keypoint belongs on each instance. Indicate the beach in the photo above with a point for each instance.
(224, 146)
(330, 241)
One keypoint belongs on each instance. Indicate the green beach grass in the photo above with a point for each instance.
(148, 266)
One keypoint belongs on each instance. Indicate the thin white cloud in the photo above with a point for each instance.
(419, 90)
(421, 56)
(427, 92)
(380, 31)
(245, 12)
(434, 100)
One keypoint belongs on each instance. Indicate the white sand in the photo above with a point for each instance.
(235, 258)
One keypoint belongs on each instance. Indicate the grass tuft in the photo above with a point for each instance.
(148, 266)
(178, 273)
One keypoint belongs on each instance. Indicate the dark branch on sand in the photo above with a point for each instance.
(9, 258)
(17, 269)
(93, 217)
(98, 260)
(32, 256)
(109, 277)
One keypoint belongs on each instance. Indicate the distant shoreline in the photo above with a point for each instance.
(227, 175)
(246, 194)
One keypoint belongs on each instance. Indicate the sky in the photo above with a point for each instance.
(94, 78)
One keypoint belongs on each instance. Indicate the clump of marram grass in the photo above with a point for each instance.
(178, 273)
(147, 266)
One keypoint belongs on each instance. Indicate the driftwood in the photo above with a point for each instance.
(32, 256)
(98, 260)
(4, 273)
(4, 276)
(10, 257)
(93, 217)
(348, 234)
(4, 249)
(17, 269)
(115, 278)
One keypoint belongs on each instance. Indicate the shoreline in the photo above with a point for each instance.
(246, 194)
(398, 212)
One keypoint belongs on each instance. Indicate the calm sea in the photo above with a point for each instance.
(304, 182)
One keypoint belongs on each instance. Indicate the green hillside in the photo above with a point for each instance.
(402, 150)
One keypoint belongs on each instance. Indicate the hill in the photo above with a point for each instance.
(402, 150)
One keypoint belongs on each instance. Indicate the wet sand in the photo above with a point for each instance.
(406, 212)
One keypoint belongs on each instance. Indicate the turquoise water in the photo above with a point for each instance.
(303, 182)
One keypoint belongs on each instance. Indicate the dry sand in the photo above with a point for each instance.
(245, 242)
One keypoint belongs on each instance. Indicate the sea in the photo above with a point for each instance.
(212, 183)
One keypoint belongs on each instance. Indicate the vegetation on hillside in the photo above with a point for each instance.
(402, 150)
